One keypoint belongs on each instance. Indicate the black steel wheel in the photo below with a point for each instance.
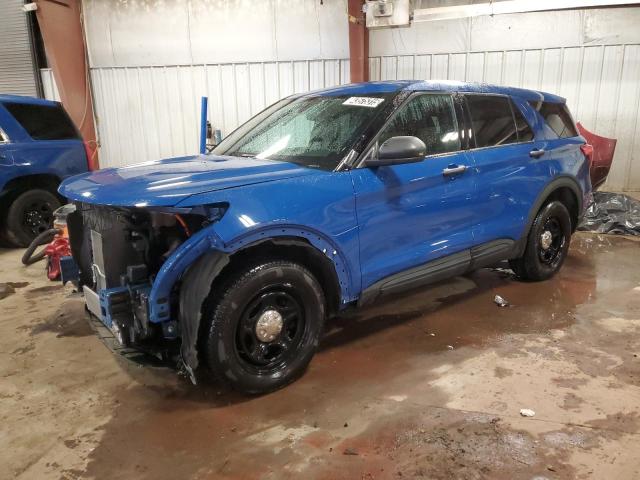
(551, 242)
(547, 244)
(264, 325)
(270, 329)
(29, 215)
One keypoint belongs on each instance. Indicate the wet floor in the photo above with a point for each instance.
(429, 385)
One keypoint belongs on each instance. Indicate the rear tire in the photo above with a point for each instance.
(547, 244)
(29, 215)
(264, 325)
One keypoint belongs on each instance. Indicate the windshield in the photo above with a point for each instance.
(315, 132)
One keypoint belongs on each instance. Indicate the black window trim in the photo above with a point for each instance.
(513, 112)
(470, 124)
(373, 144)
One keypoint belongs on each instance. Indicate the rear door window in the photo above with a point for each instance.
(492, 120)
(43, 122)
(557, 117)
(431, 118)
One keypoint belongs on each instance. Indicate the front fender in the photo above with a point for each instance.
(208, 240)
(186, 254)
(318, 208)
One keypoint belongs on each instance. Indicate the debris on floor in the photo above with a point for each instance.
(526, 412)
(9, 288)
(504, 272)
(501, 302)
(612, 213)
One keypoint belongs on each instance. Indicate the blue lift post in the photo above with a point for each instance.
(203, 125)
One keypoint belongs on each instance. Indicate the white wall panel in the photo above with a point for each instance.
(611, 26)
(49, 87)
(146, 113)
(526, 30)
(433, 37)
(601, 84)
(187, 32)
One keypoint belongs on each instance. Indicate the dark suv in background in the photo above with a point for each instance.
(39, 147)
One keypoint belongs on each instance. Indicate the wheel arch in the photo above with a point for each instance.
(308, 248)
(47, 181)
(298, 250)
(564, 189)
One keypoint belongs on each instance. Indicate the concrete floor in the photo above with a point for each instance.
(425, 386)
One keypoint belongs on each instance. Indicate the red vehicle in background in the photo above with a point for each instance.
(601, 155)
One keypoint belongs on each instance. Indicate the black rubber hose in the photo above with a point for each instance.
(45, 237)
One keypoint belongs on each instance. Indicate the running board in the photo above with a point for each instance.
(440, 269)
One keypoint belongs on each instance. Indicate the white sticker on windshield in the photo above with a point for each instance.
(363, 101)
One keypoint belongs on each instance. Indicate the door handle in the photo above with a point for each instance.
(454, 169)
(537, 153)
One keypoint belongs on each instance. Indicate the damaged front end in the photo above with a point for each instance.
(129, 260)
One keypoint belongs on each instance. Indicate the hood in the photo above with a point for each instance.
(164, 183)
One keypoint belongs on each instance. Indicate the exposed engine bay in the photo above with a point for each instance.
(118, 252)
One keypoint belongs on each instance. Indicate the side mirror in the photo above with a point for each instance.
(398, 150)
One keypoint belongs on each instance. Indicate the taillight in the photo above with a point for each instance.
(587, 150)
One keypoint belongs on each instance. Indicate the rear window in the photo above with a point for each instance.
(557, 117)
(43, 122)
(492, 120)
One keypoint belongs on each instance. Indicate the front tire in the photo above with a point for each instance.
(29, 215)
(264, 327)
(547, 244)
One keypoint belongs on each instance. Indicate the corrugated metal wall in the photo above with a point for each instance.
(151, 65)
(601, 84)
(146, 113)
(16, 63)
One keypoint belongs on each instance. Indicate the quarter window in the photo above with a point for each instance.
(429, 117)
(492, 120)
(557, 117)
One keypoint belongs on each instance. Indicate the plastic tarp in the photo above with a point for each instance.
(612, 213)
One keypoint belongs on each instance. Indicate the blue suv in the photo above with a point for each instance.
(39, 147)
(323, 201)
